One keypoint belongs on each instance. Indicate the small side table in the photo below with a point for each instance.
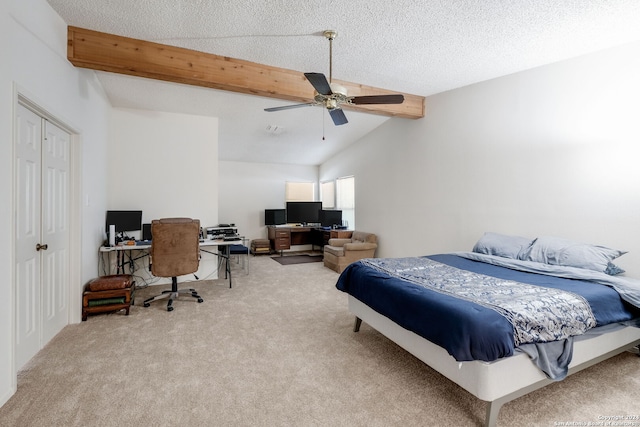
(260, 246)
(108, 293)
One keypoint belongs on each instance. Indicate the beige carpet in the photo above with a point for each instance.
(275, 350)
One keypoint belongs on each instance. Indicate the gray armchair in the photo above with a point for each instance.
(339, 253)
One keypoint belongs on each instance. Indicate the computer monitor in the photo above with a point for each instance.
(303, 212)
(275, 216)
(124, 220)
(329, 218)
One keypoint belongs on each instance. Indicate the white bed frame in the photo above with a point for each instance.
(505, 379)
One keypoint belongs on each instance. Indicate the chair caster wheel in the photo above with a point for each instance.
(146, 304)
(169, 308)
(200, 300)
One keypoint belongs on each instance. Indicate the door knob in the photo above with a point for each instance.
(42, 247)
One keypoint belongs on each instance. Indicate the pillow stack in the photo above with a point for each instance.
(551, 250)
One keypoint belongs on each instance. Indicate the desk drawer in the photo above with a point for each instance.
(281, 243)
(279, 238)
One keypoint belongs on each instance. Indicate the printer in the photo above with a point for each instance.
(223, 231)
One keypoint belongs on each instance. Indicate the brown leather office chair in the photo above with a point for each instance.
(175, 251)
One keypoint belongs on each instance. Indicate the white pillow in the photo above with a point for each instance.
(502, 245)
(558, 251)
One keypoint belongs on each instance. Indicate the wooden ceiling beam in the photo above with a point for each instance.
(107, 52)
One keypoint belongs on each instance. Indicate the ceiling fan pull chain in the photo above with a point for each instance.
(323, 116)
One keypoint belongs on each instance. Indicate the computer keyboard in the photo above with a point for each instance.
(143, 242)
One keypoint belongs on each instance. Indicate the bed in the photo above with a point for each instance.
(543, 308)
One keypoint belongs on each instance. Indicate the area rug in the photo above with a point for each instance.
(297, 259)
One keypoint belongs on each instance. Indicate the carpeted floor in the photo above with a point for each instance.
(275, 350)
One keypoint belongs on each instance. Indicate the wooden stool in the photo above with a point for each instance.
(108, 293)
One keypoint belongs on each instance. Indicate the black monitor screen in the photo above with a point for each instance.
(330, 218)
(124, 220)
(275, 216)
(303, 212)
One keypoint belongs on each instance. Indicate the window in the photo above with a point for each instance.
(345, 200)
(328, 194)
(299, 192)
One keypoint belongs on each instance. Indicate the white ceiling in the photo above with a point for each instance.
(420, 47)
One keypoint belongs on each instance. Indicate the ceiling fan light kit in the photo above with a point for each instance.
(332, 95)
(338, 89)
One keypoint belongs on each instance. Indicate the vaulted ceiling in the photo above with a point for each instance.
(407, 46)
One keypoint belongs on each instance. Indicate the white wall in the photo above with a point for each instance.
(164, 164)
(33, 46)
(247, 189)
(549, 151)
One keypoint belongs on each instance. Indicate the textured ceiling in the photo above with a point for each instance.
(421, 47)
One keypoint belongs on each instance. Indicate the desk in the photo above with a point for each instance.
(282, 238)
(224, 255)
(122, 251)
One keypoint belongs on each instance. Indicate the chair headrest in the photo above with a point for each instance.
(175, 220)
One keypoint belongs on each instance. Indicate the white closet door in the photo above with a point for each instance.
(55, 230)
(28, 169)
(41, 233)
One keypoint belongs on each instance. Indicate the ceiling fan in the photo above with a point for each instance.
(332, 95)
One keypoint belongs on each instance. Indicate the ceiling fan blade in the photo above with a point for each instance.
(338, 117)
(319, 82)
(289, 107)
(378, 99)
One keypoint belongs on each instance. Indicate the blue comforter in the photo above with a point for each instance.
(468, 330)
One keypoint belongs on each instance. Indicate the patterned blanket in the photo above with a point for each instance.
(538, 314)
